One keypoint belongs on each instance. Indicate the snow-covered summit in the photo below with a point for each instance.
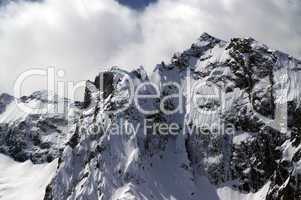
(229, 145)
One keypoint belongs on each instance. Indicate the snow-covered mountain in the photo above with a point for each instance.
(234, 107)
(31, 129)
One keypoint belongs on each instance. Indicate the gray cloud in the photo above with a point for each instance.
(84, 36)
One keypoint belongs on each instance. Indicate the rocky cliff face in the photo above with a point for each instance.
(234, 108)
(38, 134)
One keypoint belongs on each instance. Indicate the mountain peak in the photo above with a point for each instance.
(222, 96)
(206, 41)
(206, 35)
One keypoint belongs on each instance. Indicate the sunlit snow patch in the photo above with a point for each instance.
(24, 181)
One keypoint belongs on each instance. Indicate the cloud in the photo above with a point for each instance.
(85, 36)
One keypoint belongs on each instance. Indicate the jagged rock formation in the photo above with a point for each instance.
(39, 135)
(237, 136)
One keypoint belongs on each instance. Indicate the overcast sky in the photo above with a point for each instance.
(85, 36)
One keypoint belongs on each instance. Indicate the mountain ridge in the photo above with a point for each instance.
(224, 148)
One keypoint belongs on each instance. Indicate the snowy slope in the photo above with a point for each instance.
(24, 181)
(36, 104)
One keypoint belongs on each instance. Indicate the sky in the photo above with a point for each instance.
(137, 4)
(83, 37)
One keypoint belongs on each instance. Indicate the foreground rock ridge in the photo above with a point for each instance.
(228, 145)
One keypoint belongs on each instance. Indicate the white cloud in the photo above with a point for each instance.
(83, 36)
